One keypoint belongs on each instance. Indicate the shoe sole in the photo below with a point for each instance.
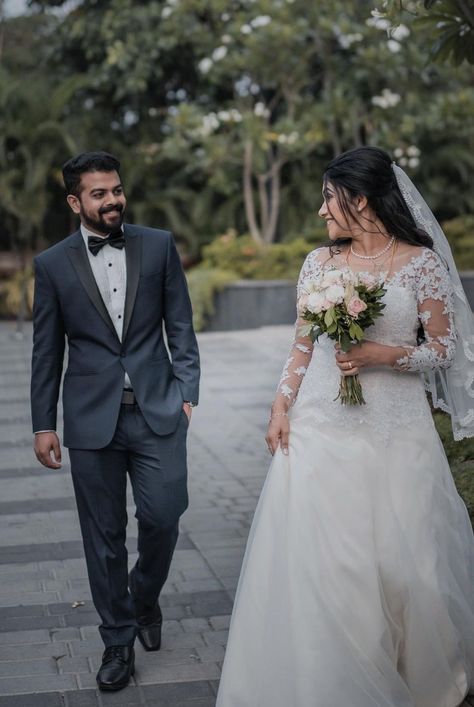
(116, 686)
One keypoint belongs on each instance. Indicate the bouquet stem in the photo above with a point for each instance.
(350, 391)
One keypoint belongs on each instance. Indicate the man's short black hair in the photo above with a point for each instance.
(87, 162)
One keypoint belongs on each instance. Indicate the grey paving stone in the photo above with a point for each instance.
(81, 698)
(211, 654)
(82, 619)
(34, 651)
(150, 674)
(12, 598)
(220, 623)
(43, 505)
(73, 665)
(19, 637)
(64, 634)
(37, 683)
(45, 699)
(20, 668)
(172, 693)
(25, 623)
(216, 637)
(7, 612)
(12, 473)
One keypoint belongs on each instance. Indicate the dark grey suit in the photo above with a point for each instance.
(107, 439)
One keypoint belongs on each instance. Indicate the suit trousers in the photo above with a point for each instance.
(157, 468)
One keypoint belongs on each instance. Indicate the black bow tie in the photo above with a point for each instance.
(116, 239)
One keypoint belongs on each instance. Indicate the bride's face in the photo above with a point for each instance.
(339, 222)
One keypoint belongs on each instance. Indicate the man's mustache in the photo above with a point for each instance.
(108, 209)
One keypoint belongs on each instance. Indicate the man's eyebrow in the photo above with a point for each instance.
(117, 186)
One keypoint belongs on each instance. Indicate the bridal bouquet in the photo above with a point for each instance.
(341, 304)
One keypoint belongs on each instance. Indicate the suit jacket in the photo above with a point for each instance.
(68, 305)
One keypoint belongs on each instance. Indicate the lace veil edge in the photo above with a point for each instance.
(452, 388)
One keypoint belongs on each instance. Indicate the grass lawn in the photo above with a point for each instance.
(461, 459)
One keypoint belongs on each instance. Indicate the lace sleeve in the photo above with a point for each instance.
(300, 352)
(436, 314)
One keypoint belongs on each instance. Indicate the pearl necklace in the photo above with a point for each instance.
(377, 255)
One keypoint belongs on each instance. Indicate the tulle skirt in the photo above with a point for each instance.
(357, 586)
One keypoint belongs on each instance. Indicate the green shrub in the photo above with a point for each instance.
(460, 234)
(461, 459)
(203, 284)
(231, 257)
(11, 292)
(252, 261)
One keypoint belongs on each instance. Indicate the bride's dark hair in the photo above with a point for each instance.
(368, 171)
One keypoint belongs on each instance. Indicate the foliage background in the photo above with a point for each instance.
(224, 113)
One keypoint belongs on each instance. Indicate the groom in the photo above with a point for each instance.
(112, 289)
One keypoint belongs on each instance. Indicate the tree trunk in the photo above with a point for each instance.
(275, 191)
(248, 193)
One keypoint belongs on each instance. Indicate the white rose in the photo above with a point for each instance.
(315, 302)
(335, 294)
(331, 277)
(310, 285)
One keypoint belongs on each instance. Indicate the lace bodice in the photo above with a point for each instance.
(419, 294)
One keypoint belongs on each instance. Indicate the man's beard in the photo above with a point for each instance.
(99, 224)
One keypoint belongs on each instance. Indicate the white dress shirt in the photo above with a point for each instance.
(109, 268)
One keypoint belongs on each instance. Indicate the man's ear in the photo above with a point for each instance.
(74, 203)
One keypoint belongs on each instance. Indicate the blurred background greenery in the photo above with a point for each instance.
(224, 115)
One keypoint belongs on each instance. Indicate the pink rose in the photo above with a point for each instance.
(355, 307)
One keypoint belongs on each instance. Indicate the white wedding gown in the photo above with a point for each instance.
(357, 586)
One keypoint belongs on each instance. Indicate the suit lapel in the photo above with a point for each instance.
(133, 258)
(80, 261)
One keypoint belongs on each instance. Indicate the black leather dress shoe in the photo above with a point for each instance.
(118, 665)
(149, 630)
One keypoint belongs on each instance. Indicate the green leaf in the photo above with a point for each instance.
(329, 317)
(305, 330)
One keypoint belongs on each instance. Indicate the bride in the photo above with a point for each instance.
(357, 586)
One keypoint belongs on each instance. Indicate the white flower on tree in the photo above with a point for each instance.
(394, 46)
(387, 99)
(347, 40)
(261, 111)
(261, 21)
(205, 65)
(378, 22)
(229, 116)
(219, 53)
(399, 33)
(288, 139)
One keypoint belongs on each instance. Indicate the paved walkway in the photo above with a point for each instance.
(49, 644)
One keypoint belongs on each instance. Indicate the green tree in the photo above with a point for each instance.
(449, 23)
(226, 113)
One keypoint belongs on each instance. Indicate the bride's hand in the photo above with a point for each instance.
(278, 433)
(367, 353)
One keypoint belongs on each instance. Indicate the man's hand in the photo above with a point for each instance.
(188, 410)
(45, 443)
